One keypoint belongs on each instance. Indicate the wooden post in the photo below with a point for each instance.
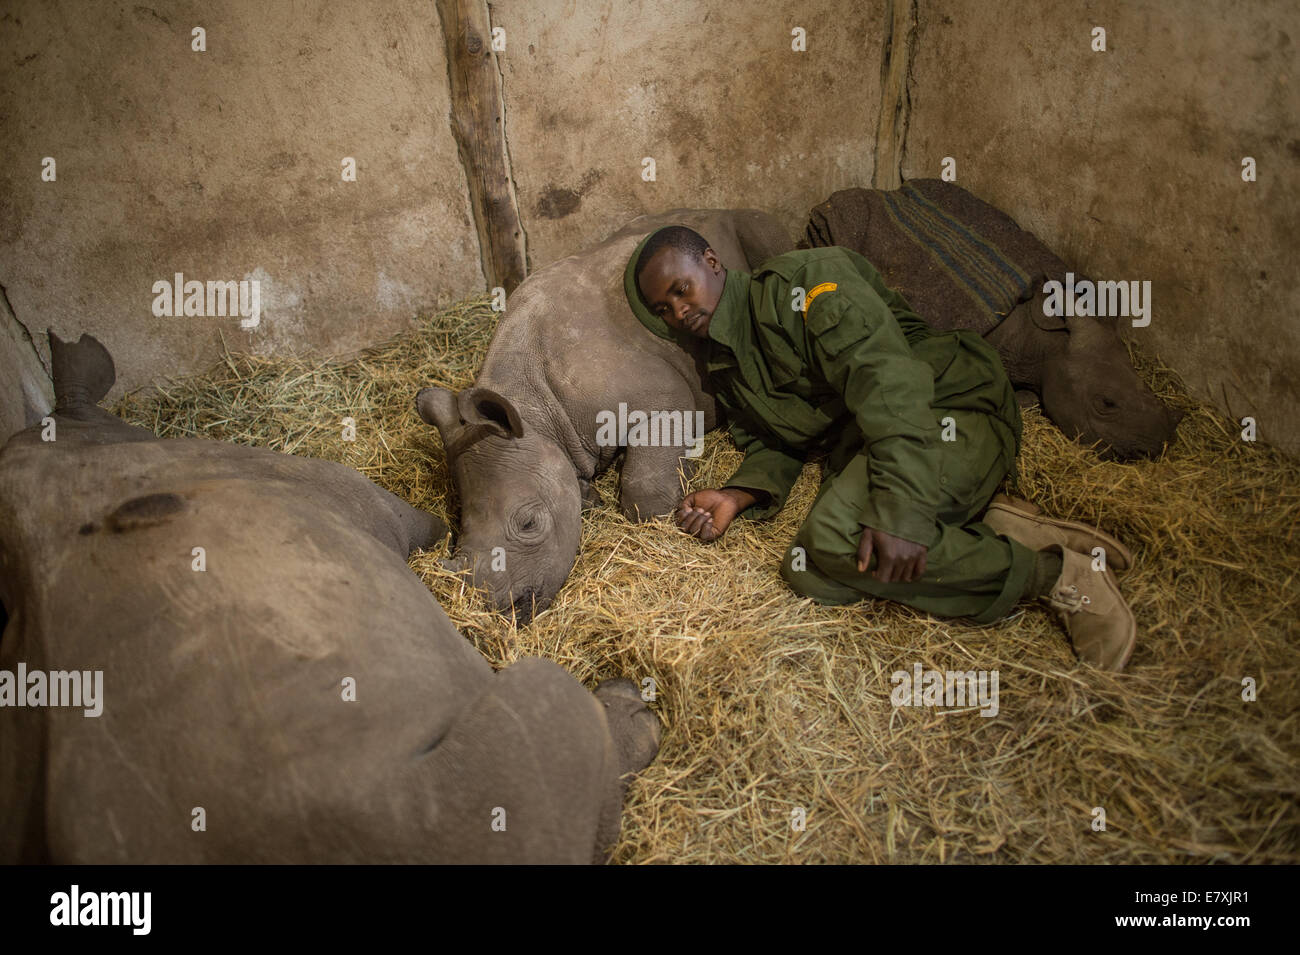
(895, 102)
(478, 123)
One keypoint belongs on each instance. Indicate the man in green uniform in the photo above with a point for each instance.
(813, 352)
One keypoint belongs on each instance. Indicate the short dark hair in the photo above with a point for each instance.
(684, 240)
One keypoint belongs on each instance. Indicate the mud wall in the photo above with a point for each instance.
(226, 164)
(229, 162)
(1128, 162)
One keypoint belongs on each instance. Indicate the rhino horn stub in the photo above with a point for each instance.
(483, 406)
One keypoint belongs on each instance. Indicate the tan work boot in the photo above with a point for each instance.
(1099, 622)
(1027, 524)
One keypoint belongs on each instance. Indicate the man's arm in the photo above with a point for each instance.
(861, 350)
(767, 474)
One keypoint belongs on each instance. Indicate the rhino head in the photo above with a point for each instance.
(520, 501)
(1082, 373)
(1092, 392)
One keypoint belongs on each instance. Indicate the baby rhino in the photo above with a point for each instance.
(218, 654)
(571, 381)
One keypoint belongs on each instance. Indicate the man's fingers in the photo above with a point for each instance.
(911, 570)
(918, 567)
(695, 522)
(897, 561)
(884, 569)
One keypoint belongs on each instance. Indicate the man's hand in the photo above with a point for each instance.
(707, 514)
(897, 560)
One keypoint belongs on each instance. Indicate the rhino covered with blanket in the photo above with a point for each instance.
(961, 263)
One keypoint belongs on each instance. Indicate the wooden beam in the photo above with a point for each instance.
(478, 123)
(895, 101)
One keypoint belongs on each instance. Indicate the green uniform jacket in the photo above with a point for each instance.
(814, 343)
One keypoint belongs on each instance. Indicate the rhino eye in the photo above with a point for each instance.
(1104, 405)
(529, 523)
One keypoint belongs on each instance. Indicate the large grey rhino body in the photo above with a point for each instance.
(522, 442)
(935, 243)
(225, 735)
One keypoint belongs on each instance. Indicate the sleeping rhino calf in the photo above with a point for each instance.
(524, 443)
(277, 686)
(961, 263)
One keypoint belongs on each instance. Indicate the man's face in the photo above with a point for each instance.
(684, 289)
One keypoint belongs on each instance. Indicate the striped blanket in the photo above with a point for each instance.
(959, 262)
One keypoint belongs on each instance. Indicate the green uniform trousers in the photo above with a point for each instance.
(970, 570)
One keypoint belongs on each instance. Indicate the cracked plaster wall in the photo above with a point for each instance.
(226, 163)
(223, 165)
(1127, 163)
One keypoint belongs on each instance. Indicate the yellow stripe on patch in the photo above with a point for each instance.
(817, 290)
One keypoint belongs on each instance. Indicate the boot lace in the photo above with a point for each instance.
(1068, 599)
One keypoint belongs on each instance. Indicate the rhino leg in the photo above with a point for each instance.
(424, 530)
(590, 494)
(637, 733)
(529, 772)
(649, 485)
(635, 729)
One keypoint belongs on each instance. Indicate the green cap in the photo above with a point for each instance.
(652, 322)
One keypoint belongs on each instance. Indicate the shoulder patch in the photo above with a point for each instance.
(813, 293)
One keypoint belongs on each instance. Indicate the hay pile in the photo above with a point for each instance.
(772, 703)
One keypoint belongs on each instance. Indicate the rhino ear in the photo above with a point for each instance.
(1032, 302)
(83, 370)
(483, 406)
(437, 406)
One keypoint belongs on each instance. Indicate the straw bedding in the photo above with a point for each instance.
(773, 704)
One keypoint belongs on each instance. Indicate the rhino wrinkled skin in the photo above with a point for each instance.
(522, 442)
(223, 688)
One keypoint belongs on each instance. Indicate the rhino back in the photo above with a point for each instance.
(222, 687)
(569, 346)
